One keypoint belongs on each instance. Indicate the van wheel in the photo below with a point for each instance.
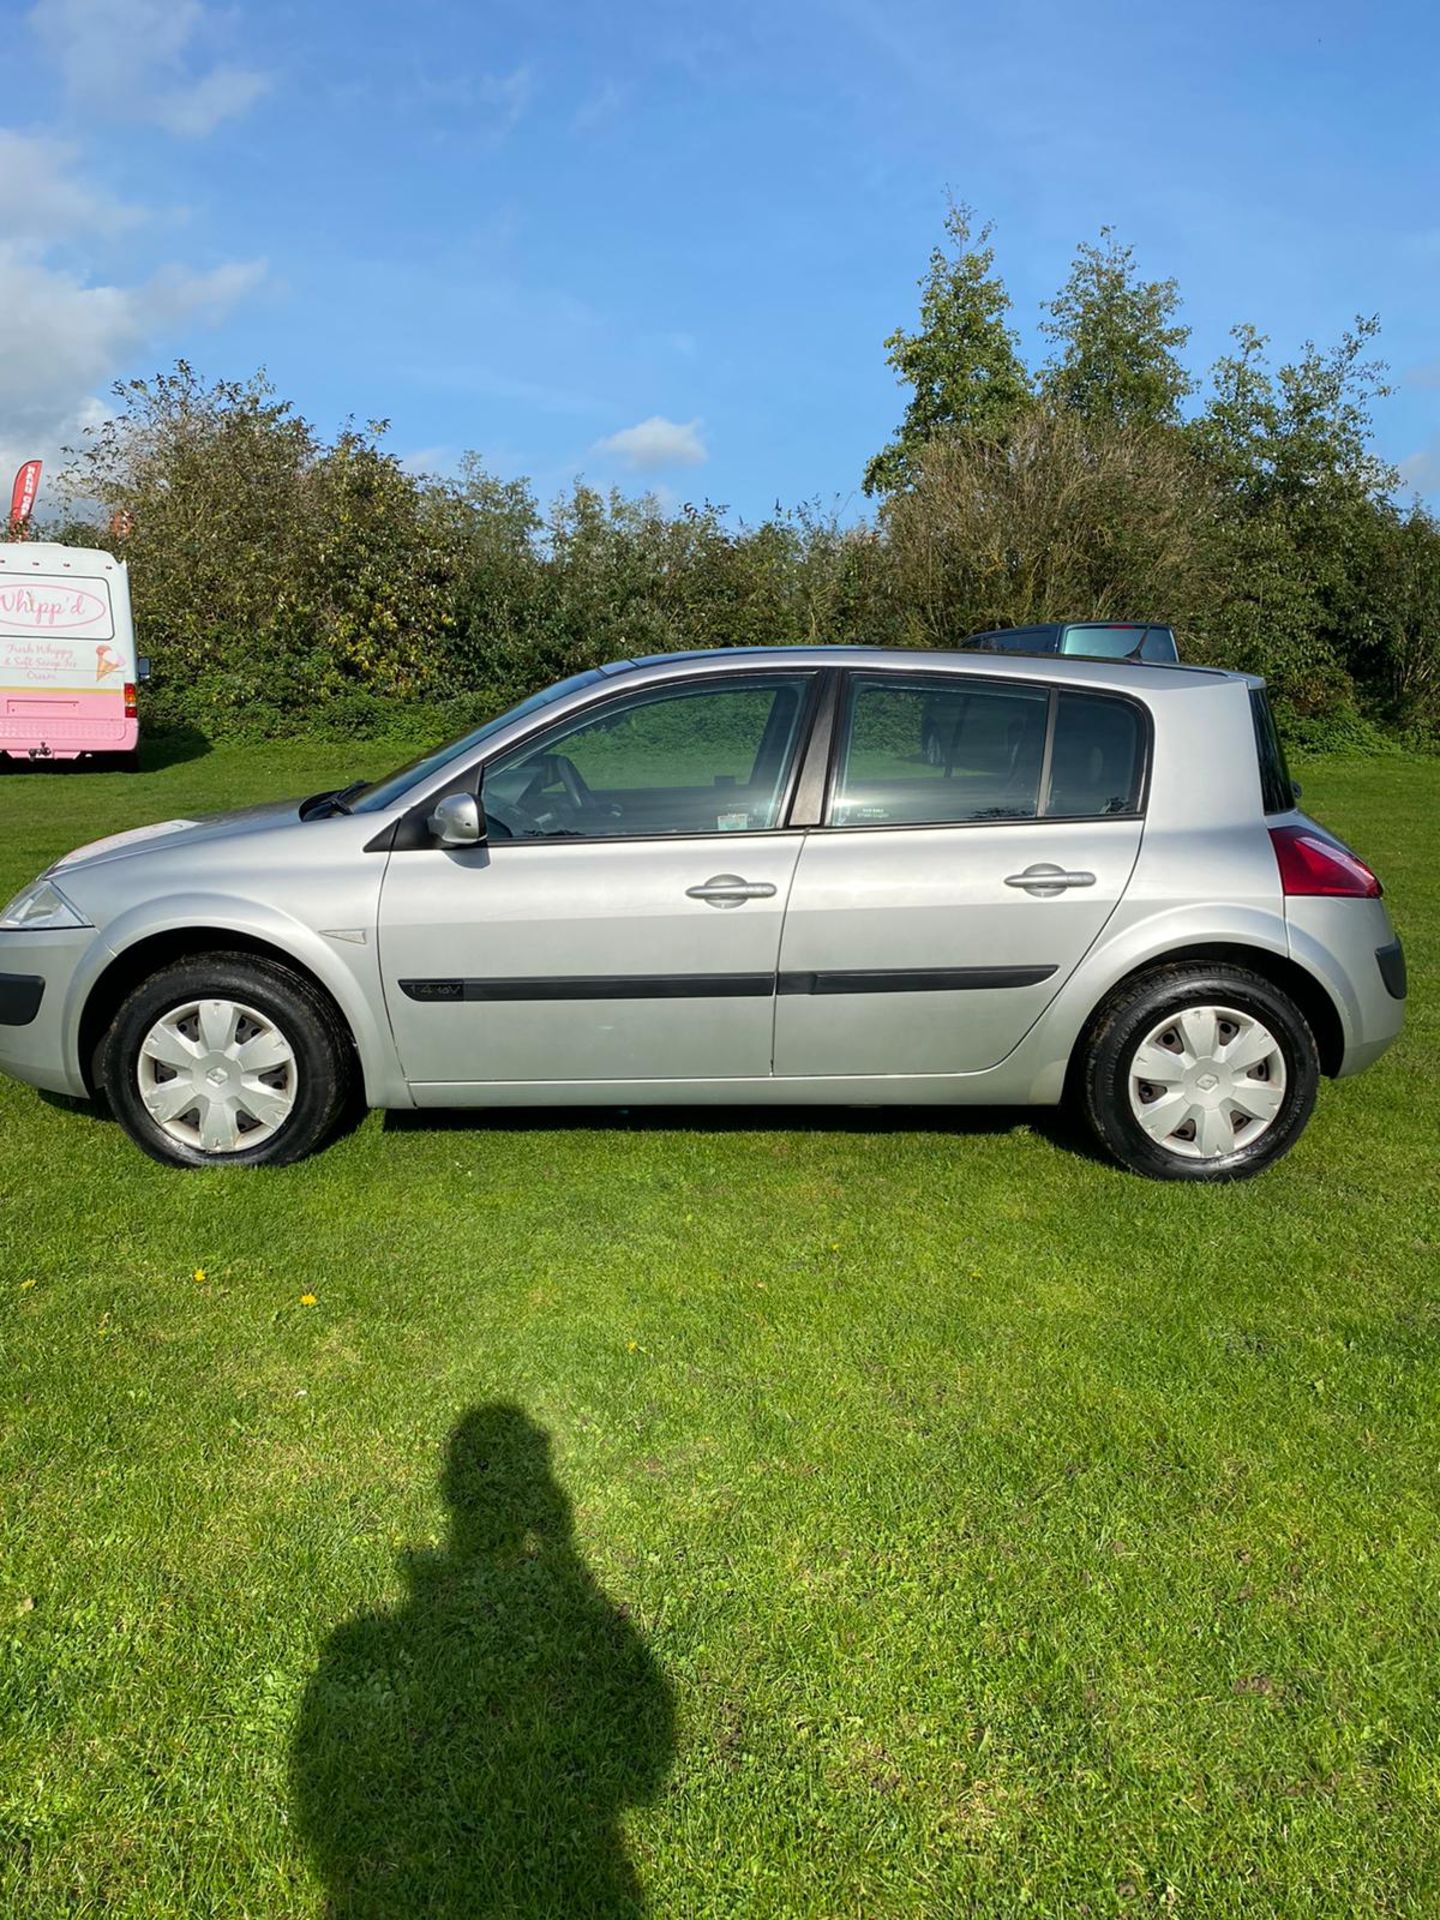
(226, 1060)
(1200, 1073)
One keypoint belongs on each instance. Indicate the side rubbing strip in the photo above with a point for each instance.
(728, 986)
(915, 980)
(636, 986)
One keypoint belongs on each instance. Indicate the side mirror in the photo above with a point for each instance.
(457, 821)
(142, 668)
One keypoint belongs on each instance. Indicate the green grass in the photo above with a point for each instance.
(840, 1516)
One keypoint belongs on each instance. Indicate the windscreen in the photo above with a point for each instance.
(391, 790)
(1103, 640)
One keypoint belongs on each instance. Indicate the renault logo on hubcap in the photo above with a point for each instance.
(1207, 1083)
(217, 1076)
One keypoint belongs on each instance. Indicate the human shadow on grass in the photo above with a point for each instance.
(470, 1752)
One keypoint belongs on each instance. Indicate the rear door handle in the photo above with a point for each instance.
(1043, 881)
(729, 890)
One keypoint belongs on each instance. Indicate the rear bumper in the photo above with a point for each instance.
(1351, 947)
(37, 975)
(25, 739)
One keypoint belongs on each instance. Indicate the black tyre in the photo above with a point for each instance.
(1199, 1073)
(228, 1060)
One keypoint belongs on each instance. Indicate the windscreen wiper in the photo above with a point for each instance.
(320, 806)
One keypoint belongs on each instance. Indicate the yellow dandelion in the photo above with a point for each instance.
(199, 1276)
(25, 1285)
(308, 1300)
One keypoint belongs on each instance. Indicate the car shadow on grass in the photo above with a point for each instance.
(472, 1750)
(1060, 1126)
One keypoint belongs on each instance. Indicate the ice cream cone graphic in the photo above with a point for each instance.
(106, 661)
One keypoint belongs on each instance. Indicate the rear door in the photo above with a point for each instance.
(946, 899)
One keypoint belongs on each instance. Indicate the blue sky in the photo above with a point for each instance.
(661, 244)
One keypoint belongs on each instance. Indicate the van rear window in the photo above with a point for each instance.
(61, 607)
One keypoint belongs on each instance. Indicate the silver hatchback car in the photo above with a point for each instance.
(804, 875)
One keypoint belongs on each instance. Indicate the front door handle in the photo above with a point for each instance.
(1044, 881)
(729, 890)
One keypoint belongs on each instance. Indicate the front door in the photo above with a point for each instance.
(623, 923)
(979, 835)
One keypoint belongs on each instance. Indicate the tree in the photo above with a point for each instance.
(1072, 519)
(1116, 340)
(1302, 515)
(962, 363)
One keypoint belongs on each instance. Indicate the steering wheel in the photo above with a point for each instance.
(515, 823)
(558, 767)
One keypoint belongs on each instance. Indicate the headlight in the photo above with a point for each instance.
(40, 909)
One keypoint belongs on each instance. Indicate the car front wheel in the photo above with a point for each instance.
(1200, 1073)
(226, 1060)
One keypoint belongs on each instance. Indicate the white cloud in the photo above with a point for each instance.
(430, 463)
(507, 96)
(1420, 472)
(144, 60)
(601, 108)
(68, 325)
(657, 443)
(42, 199)
(63, 340)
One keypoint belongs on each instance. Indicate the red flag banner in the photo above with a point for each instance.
(22, 496)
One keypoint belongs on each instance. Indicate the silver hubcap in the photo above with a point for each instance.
(1207, 1081)
(217, 1075)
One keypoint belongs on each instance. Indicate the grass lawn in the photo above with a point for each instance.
(826, 1515)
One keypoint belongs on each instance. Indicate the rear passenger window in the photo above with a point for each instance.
(927, 752)
(1097, 761)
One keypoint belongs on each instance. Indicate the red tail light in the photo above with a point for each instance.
(1310, 865)
(131, 709)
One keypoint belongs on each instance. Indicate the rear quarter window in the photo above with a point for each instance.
(1097, 759)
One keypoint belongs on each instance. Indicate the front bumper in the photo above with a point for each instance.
(40, 995)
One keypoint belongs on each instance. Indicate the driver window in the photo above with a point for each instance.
(676, 760)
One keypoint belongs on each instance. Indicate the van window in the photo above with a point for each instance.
(1027, 640)
(64, 608)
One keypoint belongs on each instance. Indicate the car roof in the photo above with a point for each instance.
(1127, 675)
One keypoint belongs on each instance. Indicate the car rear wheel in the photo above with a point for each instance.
(1200, 1073)
(226, 1060)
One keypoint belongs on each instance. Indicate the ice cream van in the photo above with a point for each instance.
(68, 667)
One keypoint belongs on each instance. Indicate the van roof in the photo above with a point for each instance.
(54, 557)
